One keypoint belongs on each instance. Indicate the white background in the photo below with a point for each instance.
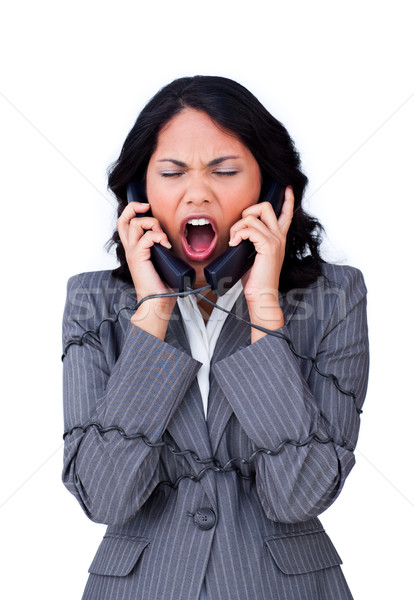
(74, 76)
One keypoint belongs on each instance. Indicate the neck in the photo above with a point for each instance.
(205, 307)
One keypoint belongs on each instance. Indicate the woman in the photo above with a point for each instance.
(210, 445)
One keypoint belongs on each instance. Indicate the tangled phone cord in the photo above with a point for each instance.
(216, 466)
(330, 376)
(90, 332)
(211, 463)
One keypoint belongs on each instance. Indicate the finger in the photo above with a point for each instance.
(135, 213)
(139, 250)
(154, 237)
(138, 227)
(260, 239)
(132, 209)
(286, 215)
(250, 221)
(265, 212)
(131, 226)
(129, 213)
(144, 223)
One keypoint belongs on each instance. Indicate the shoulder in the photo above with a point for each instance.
(94, 280)
(329, 299)
(343, 275)
(101, 284)
(335, 280)
(345, 284)
(341, 294)
(95, 294)
(336, 298)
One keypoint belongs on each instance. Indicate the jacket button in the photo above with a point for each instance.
(204, 518)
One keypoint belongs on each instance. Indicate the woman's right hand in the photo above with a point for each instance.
(138, 235)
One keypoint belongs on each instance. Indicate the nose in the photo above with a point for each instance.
(198, 191)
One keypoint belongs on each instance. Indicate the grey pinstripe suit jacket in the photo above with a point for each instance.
(266, 542)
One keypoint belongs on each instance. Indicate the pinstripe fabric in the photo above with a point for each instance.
(267, 542)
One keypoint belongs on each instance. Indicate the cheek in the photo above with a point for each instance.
(233, 210)
(165, 214)
(159, 203)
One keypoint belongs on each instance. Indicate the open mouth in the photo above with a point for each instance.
(199, 239)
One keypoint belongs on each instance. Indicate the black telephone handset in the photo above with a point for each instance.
(223, 272)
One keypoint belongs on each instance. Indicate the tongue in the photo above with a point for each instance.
(199, 237)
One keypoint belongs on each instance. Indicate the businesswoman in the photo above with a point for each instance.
(210, 443)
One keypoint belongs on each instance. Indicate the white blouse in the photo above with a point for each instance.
(202, 337)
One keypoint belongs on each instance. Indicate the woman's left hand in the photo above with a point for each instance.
(268, 234)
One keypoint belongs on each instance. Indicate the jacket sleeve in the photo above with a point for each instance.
(111, 475)
(285, 406)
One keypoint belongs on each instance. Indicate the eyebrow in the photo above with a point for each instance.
(212, 163)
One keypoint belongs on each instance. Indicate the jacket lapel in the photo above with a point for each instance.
(234, 336)
(188, 426)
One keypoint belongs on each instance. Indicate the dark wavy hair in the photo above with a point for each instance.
(238, 111)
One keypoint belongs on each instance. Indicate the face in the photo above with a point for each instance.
(199, 180)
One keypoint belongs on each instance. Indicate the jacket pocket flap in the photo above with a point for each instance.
(117, 555)
(304, 553)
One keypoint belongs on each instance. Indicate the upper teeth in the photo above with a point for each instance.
(199, 222)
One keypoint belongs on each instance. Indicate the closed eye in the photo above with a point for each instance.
(171, 173)
(229, 173)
